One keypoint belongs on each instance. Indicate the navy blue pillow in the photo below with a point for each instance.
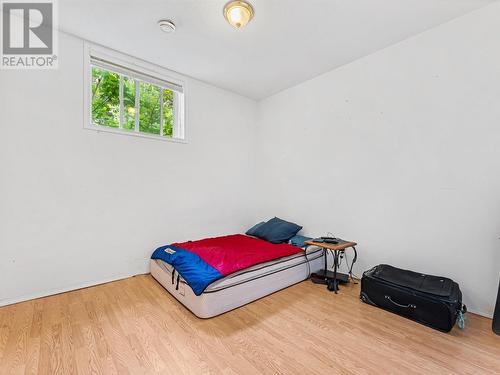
(277, 230)
(253, 230)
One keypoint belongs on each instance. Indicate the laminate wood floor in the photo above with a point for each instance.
(134, 326)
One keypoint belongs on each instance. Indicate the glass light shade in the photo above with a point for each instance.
(238, 13)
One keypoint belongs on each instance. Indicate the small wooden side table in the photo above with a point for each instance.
(336, 249)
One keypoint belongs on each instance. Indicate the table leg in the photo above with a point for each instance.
(335, 265)
(352, 264)
(326, 262)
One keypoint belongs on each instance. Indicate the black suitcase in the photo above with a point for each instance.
(430, 300)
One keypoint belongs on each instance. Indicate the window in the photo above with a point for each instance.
(131, 99)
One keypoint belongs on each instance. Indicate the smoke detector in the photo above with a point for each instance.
(167, 26)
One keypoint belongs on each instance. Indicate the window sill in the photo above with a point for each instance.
(103, 129)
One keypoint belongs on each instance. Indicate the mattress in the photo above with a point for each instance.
(241, 287)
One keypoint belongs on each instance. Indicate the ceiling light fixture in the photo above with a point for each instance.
(166, 26)
(238, 13)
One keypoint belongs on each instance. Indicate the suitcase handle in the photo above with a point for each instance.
(410, 306)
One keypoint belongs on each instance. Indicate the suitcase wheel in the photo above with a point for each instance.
(365, 299)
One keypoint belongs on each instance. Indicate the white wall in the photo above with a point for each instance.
(78, 207)
(400, 151)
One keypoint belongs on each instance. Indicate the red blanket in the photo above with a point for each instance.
(235, 252)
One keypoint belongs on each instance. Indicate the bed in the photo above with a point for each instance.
(289, 265)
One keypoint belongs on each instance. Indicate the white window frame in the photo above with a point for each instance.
(142, 71)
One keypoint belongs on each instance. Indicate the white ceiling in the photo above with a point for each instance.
(288, 41)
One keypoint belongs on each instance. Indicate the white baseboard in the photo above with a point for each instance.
(28, 297)
(482, 313)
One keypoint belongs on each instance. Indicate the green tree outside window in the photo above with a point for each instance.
(152, 101)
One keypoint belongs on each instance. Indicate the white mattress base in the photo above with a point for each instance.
(218, 301)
